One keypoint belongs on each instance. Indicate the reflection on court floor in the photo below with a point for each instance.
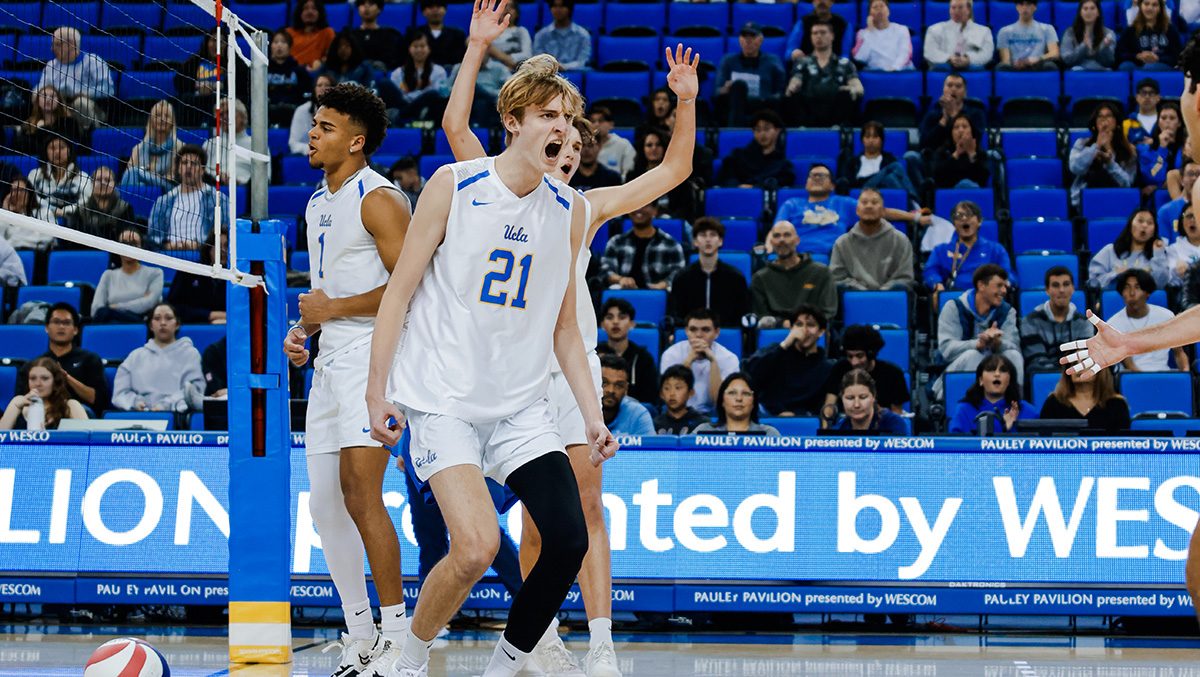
(61, 650)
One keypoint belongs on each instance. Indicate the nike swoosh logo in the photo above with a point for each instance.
(477, 203)
(366, 430)
(360, 611)
(510, 656)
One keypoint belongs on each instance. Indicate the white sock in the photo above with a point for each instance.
(601, 631)
(507, 660)
(416, 651)
(395, 623)
(551, 633)
(359, 621)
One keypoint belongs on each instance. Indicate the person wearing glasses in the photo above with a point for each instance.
(952, 265)
(820, 217)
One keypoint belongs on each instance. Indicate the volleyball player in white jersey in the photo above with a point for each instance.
(482, 293)
(488, 21)
(356, 226)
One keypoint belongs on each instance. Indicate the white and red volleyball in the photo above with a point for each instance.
(126, 657)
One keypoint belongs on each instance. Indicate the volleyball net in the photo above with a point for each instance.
(127, 128)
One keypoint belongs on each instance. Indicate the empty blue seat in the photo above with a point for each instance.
(1026, 85)
(1043, 385)
(81, 15)
(590, 15)
(945, 199)
(737, 202)
(293, 302)
(641, 49)
(22, 341)
(277, 141)
(116, 142)
(24, 17)
(405, 141)
(1028, 143)
(441, 144)
(1033, 203)
(1046, 235)
(290, 200)
(297, 171)
(730, 338)
(147, 85)
(167, 416)
(780, 15)
(1110, 202)
(1034, 172)
(685, 14)
(1157, 391)
(181, 15)
(76, 266)
(1103, 231)
(1179, 427)
(459, 16)
(956, 383)
(1030, 299)
(621, 14)
(271, 16)
(650, 305)
(796, 426)
(28, 262)
(600, 85)
(907, 14)
(145, 16)
(876, 307)
(51, 295)
(1111, 302)
(428, 164)
(901, 84)
(740, 235)
(1091, 84)
(895, 348)
(8, 381)
(174, 48)
(815, 143)
(299, 261)
(113, 342)
(730, 139)
(203, 335)
(1031, 268)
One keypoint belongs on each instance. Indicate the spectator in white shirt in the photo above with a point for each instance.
(959, 43)
(80, 77)
(1136, 286)
(616, 152)
(883, 45)
(709, 361)
(127, 293)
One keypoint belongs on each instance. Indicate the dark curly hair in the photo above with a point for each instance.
(363, 108)
(1189, 60)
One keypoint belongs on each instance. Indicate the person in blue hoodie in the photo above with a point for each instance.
(979, 323)
(995, 391)
(952, 265)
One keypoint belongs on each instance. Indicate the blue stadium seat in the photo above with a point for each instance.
(1111, 302)
(979, 83)
(186, 15)
(687, 14)
(441, 145)
(269, 17)
(167, 416)
(620, 15)
(945, 199)
(290, 200)
(1110, 202)
(1046, 235)
(51, 295)
(174, 48)
(672, 227)
(876, 307)
(8, 49)
(739, 260)
(730, 139)
(113, 342)
(147, 85)
(730, 337)
(76, 266)
(141, 199)
(297, 171)
(293, 302)
(895, 348)
(1014, 86)
(145, 16)
(81, 15)
(23, 17)
(116, 141)
(122, 49)
(907, 14)
(1034, 172)
(1044, 384)
(646, 337)
(457, 15)
(895, 141)
(1170, 82)
(1029, 143)
(650, 305)
(1031, 268)
(956, 383)
(797, 426)
(1033, 203)
(898, 85)
(1157, 391)
(1005, 13)
(781, 15)
(590, 15)
(277, 141)
(28, 262)
(22, 341)
(1030, 299)
(404, 141)
(1103, 231)
(600, 85)
(300, 261)
(428, 164)
(737, 202)
(202, 335)
(1079, 85)
(825, 144)
(1179, 427)
(740, 235)
(8, 381)
(641, 49)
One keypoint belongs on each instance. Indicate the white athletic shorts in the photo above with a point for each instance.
(495, 447)
(337, 403)
(565, 409)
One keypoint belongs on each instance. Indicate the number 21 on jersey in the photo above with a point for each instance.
(507, 259)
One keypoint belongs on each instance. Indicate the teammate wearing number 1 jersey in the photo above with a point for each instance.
(488, 21)
(481, 299)
(356, 225)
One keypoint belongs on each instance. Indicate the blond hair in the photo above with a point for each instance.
(537, 81)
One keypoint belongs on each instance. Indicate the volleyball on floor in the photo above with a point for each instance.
(126, 657)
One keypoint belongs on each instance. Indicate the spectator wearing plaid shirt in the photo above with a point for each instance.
(643, 258)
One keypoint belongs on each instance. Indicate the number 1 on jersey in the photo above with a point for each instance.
(501, 298)
(321, 258)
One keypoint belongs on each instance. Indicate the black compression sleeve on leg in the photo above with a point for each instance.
(547, 489)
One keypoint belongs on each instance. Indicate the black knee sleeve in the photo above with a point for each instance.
(548, 491)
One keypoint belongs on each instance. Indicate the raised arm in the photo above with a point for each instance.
(425, 233)
(488, 21)
(676, 165)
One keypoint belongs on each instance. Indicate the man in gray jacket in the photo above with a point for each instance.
(1053, 323)
(979, 323)
(873, 255)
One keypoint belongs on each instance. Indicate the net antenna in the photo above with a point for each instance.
(129, 116)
